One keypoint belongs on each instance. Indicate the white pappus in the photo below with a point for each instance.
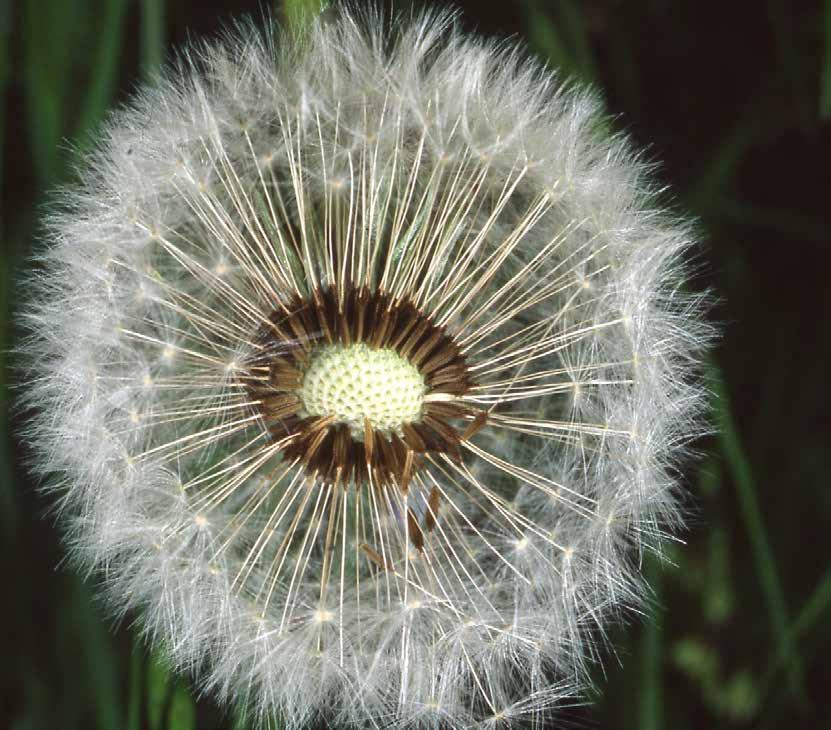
(360, 363)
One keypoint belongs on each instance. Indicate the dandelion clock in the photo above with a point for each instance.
(359, 364)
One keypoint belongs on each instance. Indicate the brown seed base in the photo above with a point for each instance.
(274, 374)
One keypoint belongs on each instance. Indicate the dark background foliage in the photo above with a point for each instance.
(734, 100)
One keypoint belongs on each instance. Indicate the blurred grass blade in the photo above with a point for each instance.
(55, 42)
(547, 39)
(814, 609)
(817, 607)
(135, 689)
(5, 41)
(47, 40)
(753, 128)
(182, 715)
(104, 74)
(239, 721)
(825, 78)
(781, 19)
(721, 167)
(786, 222)
(573, 21)
(11, 241)
(152, 36)
(97, 663)
(627, 74)
(158, 690)
(766, 569)
(650, 707)
(298, 12)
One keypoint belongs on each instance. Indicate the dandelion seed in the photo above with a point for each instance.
(361, 366)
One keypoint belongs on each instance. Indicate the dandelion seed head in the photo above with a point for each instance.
(361, 365)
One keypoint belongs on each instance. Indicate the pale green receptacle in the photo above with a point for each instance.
(355, 382)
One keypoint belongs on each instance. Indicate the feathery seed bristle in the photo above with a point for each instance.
(362, 365)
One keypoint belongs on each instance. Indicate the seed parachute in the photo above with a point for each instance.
(360, 365)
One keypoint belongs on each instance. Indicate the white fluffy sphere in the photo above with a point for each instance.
(430, 537)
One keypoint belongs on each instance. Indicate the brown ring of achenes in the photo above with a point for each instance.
(273, 376)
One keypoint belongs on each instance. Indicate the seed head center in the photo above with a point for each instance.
(354, 382)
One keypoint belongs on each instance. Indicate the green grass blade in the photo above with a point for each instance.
(561, 38)
(627, 76)
(135, 688)
(720, 168)
(825, 77)
(239, 721)
(789, 223)
(9, 510)
(650, 709)
(152, 36)
(47, 39)
(52, 36)
(298, 12)
(158, 690)
(817, 607)
(5, 42)
(814, 609)
(573, 21)
(739, 466)
(182, 715)
(546, 39)
(780, 17)
(105, 62)
(97, 662)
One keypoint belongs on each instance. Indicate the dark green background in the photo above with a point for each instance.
(734, 98)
